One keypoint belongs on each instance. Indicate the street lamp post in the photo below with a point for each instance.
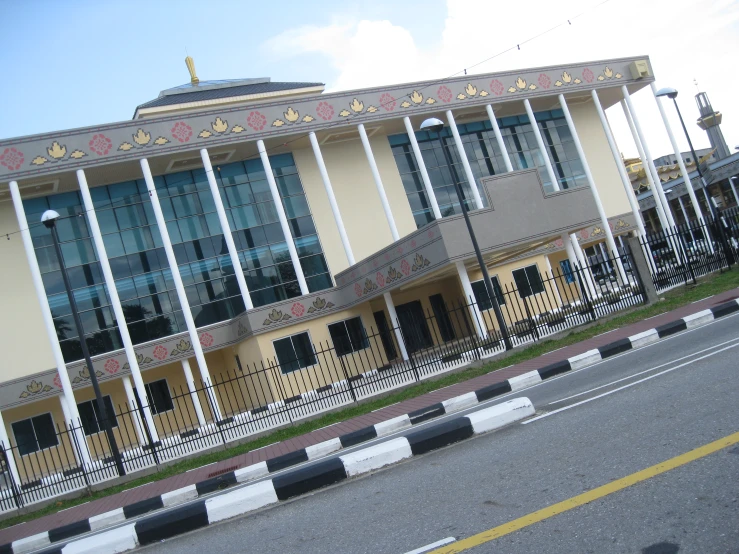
(49, 218)
(436, 125)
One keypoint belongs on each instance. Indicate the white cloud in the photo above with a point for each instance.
(685, 39)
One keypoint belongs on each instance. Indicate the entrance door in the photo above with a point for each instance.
(386, 335)
(442, 317)
(413, 324)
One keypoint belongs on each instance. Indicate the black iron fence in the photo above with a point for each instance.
(254, 398)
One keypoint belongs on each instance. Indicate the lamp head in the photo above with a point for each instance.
(432, 124)
(49, 218)
(668, 91)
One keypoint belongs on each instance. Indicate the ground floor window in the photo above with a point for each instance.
(294, 352)
(348, 336)
(158, 396)
(35, 433)
(528, 281)
(92, 422)
(481, 293)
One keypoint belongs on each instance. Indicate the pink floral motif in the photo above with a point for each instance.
(256, 121)
(358, 289)
(58, 381)
(298, 309)
(413, 243)
(206, 339)
(559, 243)
(100, 144)
(400, 249)
(387, 101)
(444, 94)
(545, 81)
(112, 366)
(584, 233)
(12, 159)
(405, 267)
(380, 278)
(496, 87)
(160, 352)
(430, 234)
(182, 131)
(325, 111)
(587, 75)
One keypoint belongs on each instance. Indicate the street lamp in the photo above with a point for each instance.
(49, 218)
(436, 125)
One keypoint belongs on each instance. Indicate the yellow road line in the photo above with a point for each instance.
(584, 498)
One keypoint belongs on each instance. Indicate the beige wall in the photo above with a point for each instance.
(23, 340)
(600, 159)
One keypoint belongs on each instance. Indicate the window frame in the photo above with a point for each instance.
(524, 268)
(93, 403)
(35, 435)
(500, 288)
(151, 404)
(313, 351)
(364, 332)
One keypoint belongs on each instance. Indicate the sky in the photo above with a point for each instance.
(75, 64)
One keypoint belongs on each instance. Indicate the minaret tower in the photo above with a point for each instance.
(710, 122)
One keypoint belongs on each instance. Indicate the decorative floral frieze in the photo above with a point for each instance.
(320, 304)
(12, 159)
(419, 262)
(369, 286)
(520, 85)
(241, 330)
(141, 360)
(292, 117)
(393, 275)
(182, 347)
(84, 375)
(220, 127)
(275, 316)
(35, 388)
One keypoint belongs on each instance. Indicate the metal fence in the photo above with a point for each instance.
(258, 397)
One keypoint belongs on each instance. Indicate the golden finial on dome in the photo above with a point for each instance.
(190, 63)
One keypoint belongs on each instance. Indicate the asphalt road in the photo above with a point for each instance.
(592, 427)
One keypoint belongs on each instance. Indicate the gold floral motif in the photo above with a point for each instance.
(419, 262)
(57, 151)
(484, 93)
(77, 154)
(345, 113)
(278, 123)
(461, 96)
(597, 231)
(309, 118)
(430, 101)
(608, 72)
(219, 125)
(371, 109)
(160, 141)
(470, 89)
(291, 115)
(511, 89)
(35, 387)
(532, 87)
(620, 224)
(618, 75)
(241, 330)
(237, 128)
(558, 83)
(320, 304)
(566, 77)
(84, 375)
(356, 106)
(405, 104)
(601, 78)
(369, 286)
(205, 134)
(416, 97)
(126, 146)
(393, 275)
(577, 81)
(39, 160)
(521, 83)
(275, 316)
(141, 138)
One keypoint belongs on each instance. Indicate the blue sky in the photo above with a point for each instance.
(73, 64)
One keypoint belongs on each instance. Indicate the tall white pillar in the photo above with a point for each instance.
(395, 324)
(331, 198)
(465, 162)
(378, 182)
(194, 391)
(593, 189)
(134, 410)
(68, 417)
(422, 168)
(277, 199)
(553, 279)
(685, 215)
(499, 138)
(226, 228)
(540, 143)
(584, 267)
(469, 296)
(650, 178)
(676, 149)
(5, 440)
(115, 301)
(659, 192)
(628, 189)
(56, 350)
(192, 330)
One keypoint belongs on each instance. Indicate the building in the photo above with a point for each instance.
(341, 213)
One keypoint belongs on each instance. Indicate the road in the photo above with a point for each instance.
(592, 427)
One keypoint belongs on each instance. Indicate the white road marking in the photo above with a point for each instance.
(626, 386)
(643, 372)
(432, 546)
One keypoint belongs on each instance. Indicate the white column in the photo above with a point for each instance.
(331, 197)
(422, 168)
(685, 215)
(465, 162)
(552, 279)
(277, 199)
(659, 192)
(593, 189)
(378, 182)
(676, 149)
(194, 391)
(115, 301)
(541, 145)
(56, 350)
(628, 189)
(226, 228)
(9, 453)
(395, 324)
(733, 189)
(499, 138)
(584, 267)
(179, 286)
(68, 417)
(469, 296)
(134, 409)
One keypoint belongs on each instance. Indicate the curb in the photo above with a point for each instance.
(406, 421)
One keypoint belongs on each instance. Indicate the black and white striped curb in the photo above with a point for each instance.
(365, 434)
(299, 481)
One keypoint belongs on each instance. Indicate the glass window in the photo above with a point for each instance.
(92, 422)
(294, 352)
(481, 294)
(528, 281)
(348, 336)
(158, 396)
(34, 434)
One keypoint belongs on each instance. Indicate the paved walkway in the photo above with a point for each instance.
(149, 490)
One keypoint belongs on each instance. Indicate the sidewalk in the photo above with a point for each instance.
(157, 488)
